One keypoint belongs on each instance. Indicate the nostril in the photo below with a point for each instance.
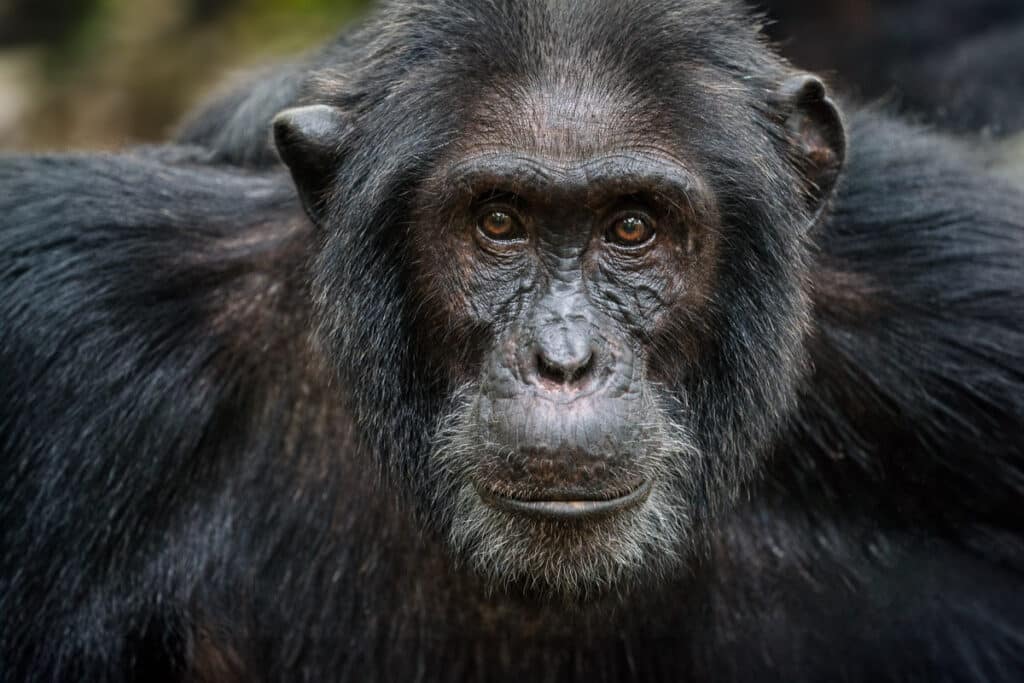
(581, 371)
(565, 372)
(549, 371)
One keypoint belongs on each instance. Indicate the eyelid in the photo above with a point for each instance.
(634, 212)
(483, 210)
(503, 198)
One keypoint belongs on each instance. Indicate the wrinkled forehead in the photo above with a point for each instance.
(566, 121)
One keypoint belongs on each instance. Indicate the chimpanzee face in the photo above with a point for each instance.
(564, 255)
(612, 294)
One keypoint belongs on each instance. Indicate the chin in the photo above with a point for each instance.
(571, 550)
(533, 513)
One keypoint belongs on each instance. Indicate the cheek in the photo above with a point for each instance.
(685, 328)
(661, 301)
(635, 294)
(501, 292)
(634, 303)
(441, 305)
(462, 302)
(440, 278)
(688, 280)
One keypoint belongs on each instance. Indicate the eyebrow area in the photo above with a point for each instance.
(613, 174)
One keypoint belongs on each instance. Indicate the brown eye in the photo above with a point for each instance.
(500, 226)
(631, 231)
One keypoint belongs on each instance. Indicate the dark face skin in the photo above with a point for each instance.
(605, 300)
(563, 267)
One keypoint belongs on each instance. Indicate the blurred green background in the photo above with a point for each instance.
(107, 73)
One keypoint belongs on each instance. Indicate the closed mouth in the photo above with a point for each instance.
(566, 508)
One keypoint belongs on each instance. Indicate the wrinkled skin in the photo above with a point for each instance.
(558, 256)
(565, 428)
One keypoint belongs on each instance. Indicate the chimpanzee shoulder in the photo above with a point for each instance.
(140, 297)
(929, 245)
(892, 488)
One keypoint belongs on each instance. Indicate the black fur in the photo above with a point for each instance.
(236, 123)
(946, 63)
(952, 63)
(184, 495)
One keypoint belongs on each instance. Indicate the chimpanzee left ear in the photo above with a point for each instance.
(815, 129)
(309, 140)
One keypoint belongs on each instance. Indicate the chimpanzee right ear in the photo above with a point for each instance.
(815, 130)
(309, 140)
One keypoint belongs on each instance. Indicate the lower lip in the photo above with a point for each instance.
(567, 510)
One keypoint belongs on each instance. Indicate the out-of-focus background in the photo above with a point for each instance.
(107, 73)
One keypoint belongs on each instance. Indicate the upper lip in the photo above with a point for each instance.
(567, 506)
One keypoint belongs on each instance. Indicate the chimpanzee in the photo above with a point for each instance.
(583, 341)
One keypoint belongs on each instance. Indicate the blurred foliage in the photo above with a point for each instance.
(106, 73)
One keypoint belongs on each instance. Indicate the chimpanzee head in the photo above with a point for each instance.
(563, 269)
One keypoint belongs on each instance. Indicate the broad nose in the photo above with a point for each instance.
(564, 359)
